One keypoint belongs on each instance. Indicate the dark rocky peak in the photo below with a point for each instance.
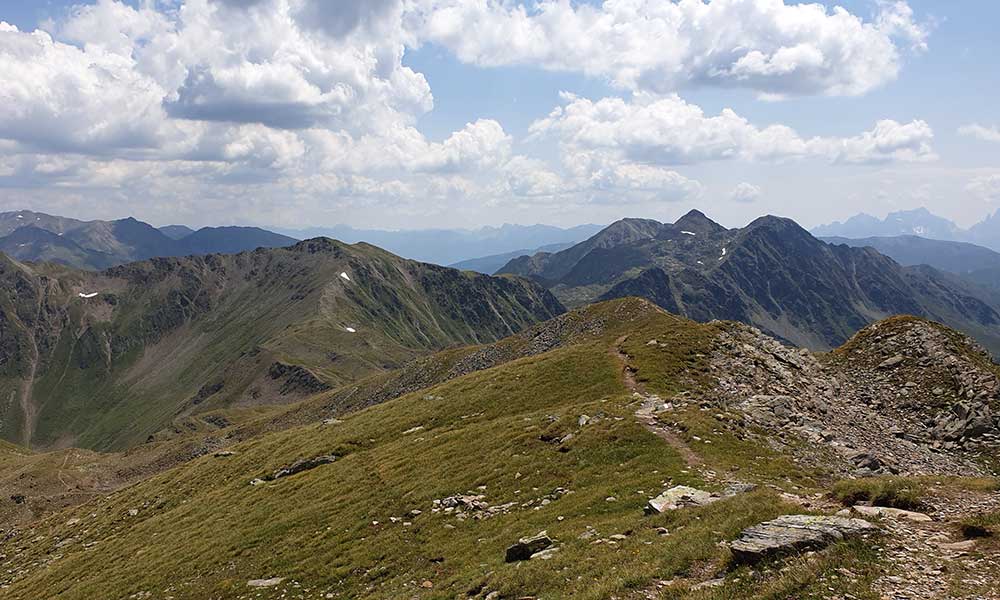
(779, 229)
(320, 245)
(696, 222)
(625, 231)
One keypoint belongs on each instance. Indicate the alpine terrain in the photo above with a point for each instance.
(771, 274)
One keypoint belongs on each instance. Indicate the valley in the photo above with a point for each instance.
(332, 421)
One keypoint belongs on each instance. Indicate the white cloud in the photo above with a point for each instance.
(669, 131)
(745, 192)
(985, 187)
(981, 132)
(766, 45)
(292, 107)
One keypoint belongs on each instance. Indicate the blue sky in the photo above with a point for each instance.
(452, 130)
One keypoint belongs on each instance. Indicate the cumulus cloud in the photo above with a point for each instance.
(301, 103)
(745, 193)
(667, 130)
(59, 97)
(980, 132)
(775, 48)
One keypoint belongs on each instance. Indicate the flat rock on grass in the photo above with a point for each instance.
(884, 511)
(679, 497)
(265, 583)
(789, 534)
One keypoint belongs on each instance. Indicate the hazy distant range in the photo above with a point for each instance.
(450, 246)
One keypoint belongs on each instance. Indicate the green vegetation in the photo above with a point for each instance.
(348, 529)
(981, 525)
(170, 338)
(893, 492)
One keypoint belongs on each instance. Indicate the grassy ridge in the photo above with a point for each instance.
(117, 368)
(202, 531)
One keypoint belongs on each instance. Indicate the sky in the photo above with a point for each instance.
(401, 114)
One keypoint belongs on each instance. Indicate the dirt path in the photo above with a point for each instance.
(62, 467)
(931, 560)
(646, 413)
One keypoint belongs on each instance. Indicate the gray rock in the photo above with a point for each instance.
(527, 546)
(790, 534)
(302, 465)
(265, 583)
(679, 497)
(889, 363)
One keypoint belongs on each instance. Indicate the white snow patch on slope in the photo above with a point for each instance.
(20, 216)
(723, 254)
(350, 330)
(345, 276)
(91, 295)
(688, 233)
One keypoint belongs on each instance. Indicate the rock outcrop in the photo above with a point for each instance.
(790, 534)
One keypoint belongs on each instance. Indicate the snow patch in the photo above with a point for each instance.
(20, 216)
(689, 233)
(350, 330)
(91, 295)
(345, 276)
(723, 254)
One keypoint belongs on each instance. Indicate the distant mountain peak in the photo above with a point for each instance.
(916, 221)
(695, 221)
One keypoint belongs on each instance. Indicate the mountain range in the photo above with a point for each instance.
(450, 246)
(917, 222)
(95, 245)
(330, 420)
(772, 274)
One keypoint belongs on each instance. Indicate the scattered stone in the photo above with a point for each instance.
(265, 583)
(546, 554)
(963, 546)
(527, 546)
(884, 511)
(790, 534)
(224, 453)
(889, 363)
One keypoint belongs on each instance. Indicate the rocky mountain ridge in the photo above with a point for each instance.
(771, 274)
(95, 245)
(917, 222)
(107, 359)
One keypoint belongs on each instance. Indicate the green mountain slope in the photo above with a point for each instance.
(113, 357)
(569, 427)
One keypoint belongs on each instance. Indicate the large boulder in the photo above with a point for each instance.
(790, 534)
(527, 546)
